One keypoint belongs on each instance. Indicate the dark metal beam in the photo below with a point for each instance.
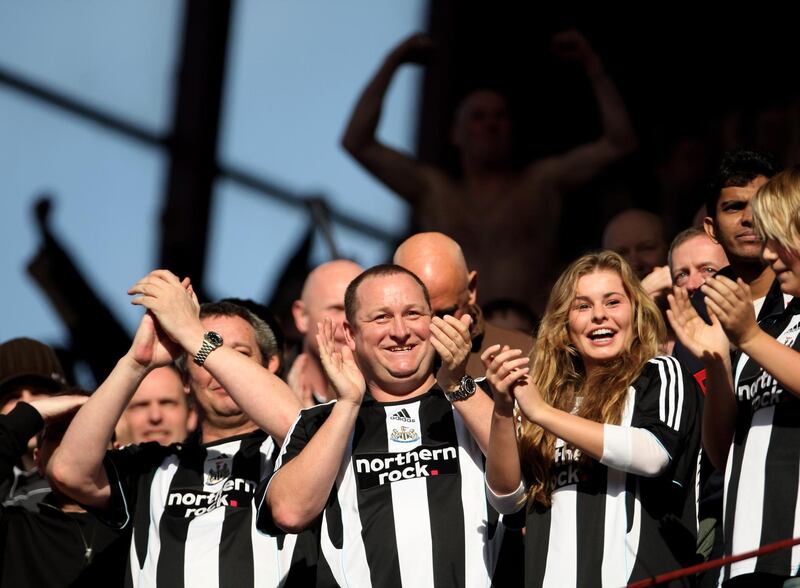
(193, 141)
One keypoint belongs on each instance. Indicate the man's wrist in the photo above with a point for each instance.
(464, 389)
(193, 339)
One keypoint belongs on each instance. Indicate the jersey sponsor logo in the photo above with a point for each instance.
(404, 435)
(566, 466)
(186, 503)
(762, 392)
(377, 469)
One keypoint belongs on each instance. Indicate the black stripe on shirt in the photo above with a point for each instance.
(445, 506)
(173, 530)
(375, 504)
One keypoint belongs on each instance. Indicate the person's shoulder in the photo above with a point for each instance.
(144, 454)
(313, 416)
(665, 368)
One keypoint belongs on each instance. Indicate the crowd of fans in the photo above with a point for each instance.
(431, 429)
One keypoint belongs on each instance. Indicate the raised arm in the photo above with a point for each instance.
(264, 397)
(300, 488)
(76, 467)
(709, 344)
(581, 164)
(25, 420)
(732, 302)
(450, 337)
(505, 369)
(402, 174)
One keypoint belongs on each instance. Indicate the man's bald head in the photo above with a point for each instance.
(637, 235)
(440, 264)
(323, 297)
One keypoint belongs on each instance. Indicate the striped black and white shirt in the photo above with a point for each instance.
(762, 475)
(408, 507)
(606, 527)
(191, 507)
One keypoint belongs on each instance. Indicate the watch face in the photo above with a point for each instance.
(468, 385)
(214, 338)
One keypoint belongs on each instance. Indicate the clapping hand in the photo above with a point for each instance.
(732, 303)
(451, 339)
(172, 302)
(706, 342)
(508, 373)
(340, 366)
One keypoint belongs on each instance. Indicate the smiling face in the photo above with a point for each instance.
(732, 226)
(600, 318)
(390, 335)
(214, 403)
(786, 265)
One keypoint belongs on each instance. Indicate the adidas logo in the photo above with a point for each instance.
(403, 416)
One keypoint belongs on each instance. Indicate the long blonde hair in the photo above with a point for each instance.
(558, 371)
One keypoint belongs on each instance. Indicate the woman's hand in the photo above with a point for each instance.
(507, 372)
(707, 343)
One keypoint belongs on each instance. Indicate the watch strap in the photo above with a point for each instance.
(205, 350)
(466, 388)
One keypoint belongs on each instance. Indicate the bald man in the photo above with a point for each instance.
(639, 237)
(439, 262)
(322, 297)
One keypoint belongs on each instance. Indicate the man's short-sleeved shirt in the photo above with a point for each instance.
(408, 507)
(762, 475)
(606, 527)
(192, 510)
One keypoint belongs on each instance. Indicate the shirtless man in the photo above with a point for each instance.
(516, 210)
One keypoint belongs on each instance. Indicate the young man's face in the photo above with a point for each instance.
(390, 337)
(733, 226)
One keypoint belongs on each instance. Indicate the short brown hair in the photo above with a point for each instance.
(386, 269)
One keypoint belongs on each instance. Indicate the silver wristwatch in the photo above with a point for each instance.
(466, 388)
(211, 341)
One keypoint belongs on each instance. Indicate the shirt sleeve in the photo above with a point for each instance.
(633, 450)
(125, 468)
(304, 427)
(16, 428)
(667, 405)
(507, 503)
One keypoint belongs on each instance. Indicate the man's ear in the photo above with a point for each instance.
(36, 454)
(710, 227)
(472, 286)
(274, 364)
(349, 336)
(300, 316)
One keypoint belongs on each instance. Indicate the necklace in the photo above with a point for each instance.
(88, 546)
